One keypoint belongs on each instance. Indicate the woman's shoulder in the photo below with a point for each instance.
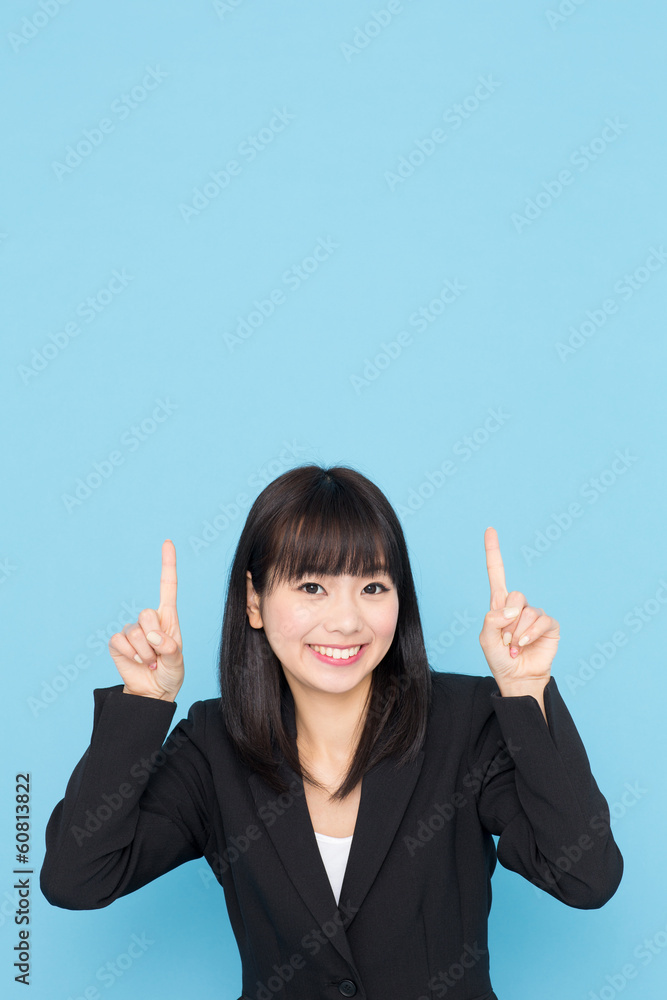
(466, 686)
(203, 726)
(205, 708)
(461, 697)
(461, 711)
(204, 718)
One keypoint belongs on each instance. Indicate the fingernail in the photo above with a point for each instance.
(523, 640)
(138, 658)
(514, 651)
(154, 638)
(510, 612)
(507, 638)
(153, 666)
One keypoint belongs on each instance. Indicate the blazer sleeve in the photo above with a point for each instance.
(133, 808)
(535, 790)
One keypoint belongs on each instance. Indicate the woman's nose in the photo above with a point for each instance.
(344, 616)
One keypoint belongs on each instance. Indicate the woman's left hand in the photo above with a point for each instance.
(519, 649)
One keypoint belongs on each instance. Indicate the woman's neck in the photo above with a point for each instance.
(328, 725)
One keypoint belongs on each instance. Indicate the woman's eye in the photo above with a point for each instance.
(314, 592)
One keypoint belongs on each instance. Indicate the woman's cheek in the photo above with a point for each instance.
(293, 627)
(386, 624)
(300, 619)
(279, 636)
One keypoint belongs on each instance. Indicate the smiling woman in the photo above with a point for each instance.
(322, 561)
(344, 794)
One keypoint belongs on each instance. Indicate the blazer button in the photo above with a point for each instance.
(347, 988)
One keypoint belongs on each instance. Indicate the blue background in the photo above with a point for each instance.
(556, 327)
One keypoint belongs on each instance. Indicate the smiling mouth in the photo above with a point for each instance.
(337, 653)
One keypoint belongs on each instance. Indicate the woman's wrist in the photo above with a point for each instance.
(144, 694)
(520, 688)
(515, 689)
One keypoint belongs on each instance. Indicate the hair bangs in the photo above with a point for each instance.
(333, 535)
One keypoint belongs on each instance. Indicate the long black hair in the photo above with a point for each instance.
(319, 520)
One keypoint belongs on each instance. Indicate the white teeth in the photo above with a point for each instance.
(337, 654)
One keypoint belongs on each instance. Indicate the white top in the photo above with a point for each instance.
(334, 851)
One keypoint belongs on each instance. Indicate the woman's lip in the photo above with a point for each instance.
(340, 660)
(333, 645)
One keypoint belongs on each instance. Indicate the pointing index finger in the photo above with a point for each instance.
(495, 569)
(168, 580)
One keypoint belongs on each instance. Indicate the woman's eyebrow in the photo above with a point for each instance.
(360, 576)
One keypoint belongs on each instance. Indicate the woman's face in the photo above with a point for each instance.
(327, 612)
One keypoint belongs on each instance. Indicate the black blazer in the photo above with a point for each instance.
(411, 922)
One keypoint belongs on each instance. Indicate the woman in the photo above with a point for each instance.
(344, 794)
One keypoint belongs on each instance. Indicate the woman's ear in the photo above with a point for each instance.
(252, 605)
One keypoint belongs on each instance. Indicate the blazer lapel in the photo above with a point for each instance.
(385, 793)
(294, 839)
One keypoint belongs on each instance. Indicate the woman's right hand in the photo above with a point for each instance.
(148, 652)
